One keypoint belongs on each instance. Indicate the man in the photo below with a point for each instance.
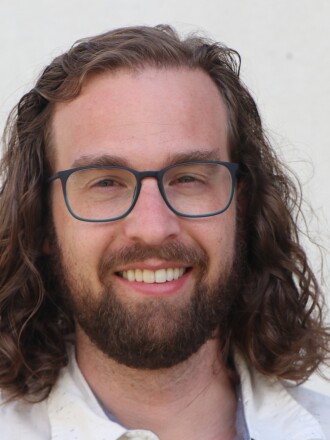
(152, 282)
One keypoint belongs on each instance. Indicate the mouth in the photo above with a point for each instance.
(148, 276)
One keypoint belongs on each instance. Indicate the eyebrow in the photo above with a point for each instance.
(101, 161)
(193, 156)
(113, 160)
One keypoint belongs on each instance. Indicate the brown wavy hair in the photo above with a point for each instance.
(277, 318)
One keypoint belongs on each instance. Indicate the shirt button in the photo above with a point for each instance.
(138, 434)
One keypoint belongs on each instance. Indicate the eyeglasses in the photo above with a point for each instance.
(109, 193)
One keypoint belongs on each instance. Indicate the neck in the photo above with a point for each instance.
(194, 399)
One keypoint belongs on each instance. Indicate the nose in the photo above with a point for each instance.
(151, 221)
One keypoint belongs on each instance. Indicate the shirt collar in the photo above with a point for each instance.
(270, 410)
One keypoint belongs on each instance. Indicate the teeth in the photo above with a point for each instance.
(160, 276)
(153, 276)
(170, 274)
(148, 276)
(130, 275)
(138, 275)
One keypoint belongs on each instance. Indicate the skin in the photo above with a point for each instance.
(147, 119)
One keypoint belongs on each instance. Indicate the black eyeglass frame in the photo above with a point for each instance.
(139, 176)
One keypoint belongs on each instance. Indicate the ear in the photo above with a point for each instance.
(242, 196)
(46, 247)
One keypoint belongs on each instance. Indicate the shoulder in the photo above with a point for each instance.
(276, 409)
(315, 403)
(21, 419)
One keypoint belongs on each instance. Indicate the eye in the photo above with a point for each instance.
(109, 181)
(186, 179)
(106, 183)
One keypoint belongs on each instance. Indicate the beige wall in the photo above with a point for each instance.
(286, 63)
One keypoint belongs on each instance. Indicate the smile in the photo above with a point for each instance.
(153, 276)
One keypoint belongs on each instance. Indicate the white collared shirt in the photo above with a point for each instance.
(273, 411)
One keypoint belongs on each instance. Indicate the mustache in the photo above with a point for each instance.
(174, 251)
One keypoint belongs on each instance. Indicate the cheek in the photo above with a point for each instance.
(220, 240)
(223, 243)
(81, 243)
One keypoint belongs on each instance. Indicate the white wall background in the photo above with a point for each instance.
(285, 48)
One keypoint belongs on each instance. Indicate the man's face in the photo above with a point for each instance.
(146, 121)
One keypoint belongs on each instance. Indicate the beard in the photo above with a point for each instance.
(151, 333)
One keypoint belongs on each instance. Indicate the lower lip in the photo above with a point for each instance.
(157, 289)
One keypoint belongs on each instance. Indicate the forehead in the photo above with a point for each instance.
(142, 117)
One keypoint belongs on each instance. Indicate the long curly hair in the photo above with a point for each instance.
(277, 318)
